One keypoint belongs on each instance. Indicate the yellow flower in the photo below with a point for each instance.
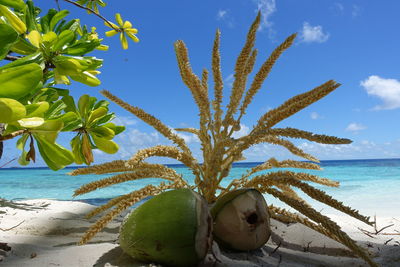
(124, 28)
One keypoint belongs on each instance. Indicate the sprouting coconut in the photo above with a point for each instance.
(241, 220)
(173, 228)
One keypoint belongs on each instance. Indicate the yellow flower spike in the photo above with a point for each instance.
(123, 40)
(35, 38)
(114, 26)
(133, 37)
(123, 28)
(132, 30)
(127, 25)
(111, 33)
(119, 20)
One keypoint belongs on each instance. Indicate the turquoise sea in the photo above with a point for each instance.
(372, 186)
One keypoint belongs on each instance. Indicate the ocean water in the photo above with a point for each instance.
(372, 186)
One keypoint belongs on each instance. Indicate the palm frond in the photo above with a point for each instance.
(218, 83)
(124, 177)
(324, 221)
(108, 167)
(264, 181)
(240, 72)
(262, 74)
(150, 120)
(318, 138)
(294, 105)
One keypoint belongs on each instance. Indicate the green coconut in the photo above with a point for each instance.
(172, 228)
(241, 220)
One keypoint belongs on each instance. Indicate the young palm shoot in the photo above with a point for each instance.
(221, 149)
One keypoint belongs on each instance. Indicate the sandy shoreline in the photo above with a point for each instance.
(45, 233)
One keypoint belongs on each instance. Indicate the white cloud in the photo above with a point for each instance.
(229, 80)
(267, 8)
(315, 116)
(388, 90)
(355, 127)
(224, 15)
(311, 34)
(189, 138)
(125, 121)
(244, 130)
(356, 11)
(338, 7)
(221, 14)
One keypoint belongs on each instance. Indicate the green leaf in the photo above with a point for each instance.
(116, 128)
(96, 114)
(8, 36)
(55, 109)
(23, 47)
(49, 130)
(103, 132)
(43, 152)
(19, 81)
(11, 110)
(17, 4)
(22, 159)
(58, 154)
(101, 103)
(76, 145)
(13, 19)
(22, 141)
(86, 78)
(71, 121)
(30, 16)
(73, 125)
(45, 20)
(107, 146)
(64, 38)
(82, 47)
(83, 106)
(37, 109)
(72, 25)
(70, 103)
(36, 57)
(106, 118)
(31, 122)
(57, 17)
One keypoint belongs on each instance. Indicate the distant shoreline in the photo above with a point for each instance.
(237, 164)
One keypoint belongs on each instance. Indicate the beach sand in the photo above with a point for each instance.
(45, 233)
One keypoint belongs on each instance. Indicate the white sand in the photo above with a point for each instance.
(48, 230)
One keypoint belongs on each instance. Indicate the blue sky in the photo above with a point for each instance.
(356, 43)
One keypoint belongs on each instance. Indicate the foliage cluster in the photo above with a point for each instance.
(48, 51)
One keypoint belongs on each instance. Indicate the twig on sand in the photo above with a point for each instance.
(376, 231)
(8, 229)
(386, 242)
(384, 228)
(275, 249)
(366, 232)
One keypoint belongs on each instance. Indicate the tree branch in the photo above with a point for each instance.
(11, 58)
(92, 11)
(12, 135)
